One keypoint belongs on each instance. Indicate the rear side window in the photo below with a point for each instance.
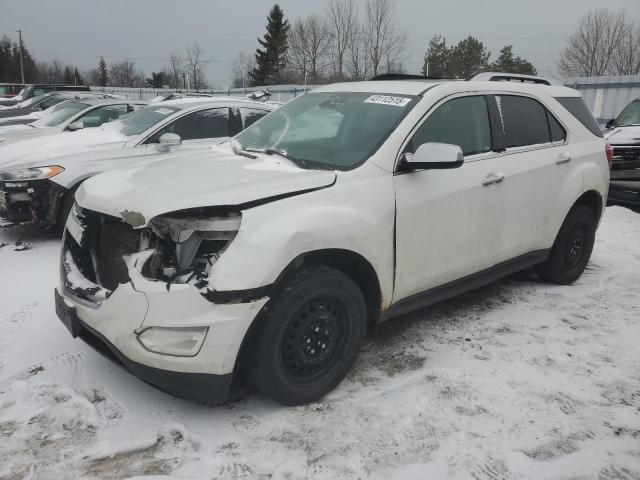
(579, 109)
(462, 121)
(523, 121)
(251, 116)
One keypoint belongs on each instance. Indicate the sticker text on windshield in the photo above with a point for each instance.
(388, 100)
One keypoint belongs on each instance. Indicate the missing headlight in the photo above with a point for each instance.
(186, 247)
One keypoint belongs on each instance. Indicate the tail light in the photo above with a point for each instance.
(608, 149)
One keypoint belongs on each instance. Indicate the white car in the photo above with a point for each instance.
(275, 254)
(39, 177)
(67, 117)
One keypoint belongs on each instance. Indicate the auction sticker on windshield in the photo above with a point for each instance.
(164, 111)
(388, 100)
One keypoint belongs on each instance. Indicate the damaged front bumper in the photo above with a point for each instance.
(31, 201)
(113, 320)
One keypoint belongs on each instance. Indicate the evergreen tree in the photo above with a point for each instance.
(509, 63)
(78, 80)
(271, 59)
(10, 62)
(468, 57)
(103, 73)
(68, 76)
(436, 58)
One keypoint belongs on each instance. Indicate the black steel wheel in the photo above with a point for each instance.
(572, 249)
(308, 337)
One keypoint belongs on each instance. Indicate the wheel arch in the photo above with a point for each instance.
(593, 200)
(352, 264)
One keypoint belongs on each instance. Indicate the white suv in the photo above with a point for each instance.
(274, 255)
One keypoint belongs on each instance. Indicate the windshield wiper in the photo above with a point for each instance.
(300, 162)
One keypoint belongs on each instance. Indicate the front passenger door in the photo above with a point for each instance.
(448, 224)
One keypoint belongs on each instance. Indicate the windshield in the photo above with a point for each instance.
(137, 122)
(336, 130)
(60, 113)
(630, 115)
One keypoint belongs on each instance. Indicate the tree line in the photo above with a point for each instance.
(346, 41)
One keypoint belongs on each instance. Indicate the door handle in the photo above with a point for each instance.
(492, 179)
(563, 158)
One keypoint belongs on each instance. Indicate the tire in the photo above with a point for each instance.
(572, 249)
(309, 336)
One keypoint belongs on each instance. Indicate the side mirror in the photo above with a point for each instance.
(75, 126)
(168, 140)
(433, 155)
(610, 123)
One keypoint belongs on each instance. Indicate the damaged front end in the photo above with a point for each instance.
(30, 196)
(187, 244)
(99, 250)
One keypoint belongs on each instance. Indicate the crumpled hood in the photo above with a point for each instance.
(185, 180)
(44, 149)
(623, 135)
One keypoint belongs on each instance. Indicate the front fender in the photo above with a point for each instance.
(354, 217)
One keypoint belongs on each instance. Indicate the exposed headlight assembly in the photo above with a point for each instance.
(187, 247)
(34, 173)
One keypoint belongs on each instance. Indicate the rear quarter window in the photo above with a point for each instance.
(579, 109)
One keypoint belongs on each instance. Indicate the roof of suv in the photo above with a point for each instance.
(419, 87)
(197, 102)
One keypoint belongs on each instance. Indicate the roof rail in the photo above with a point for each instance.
(511, 77)
(405, 76)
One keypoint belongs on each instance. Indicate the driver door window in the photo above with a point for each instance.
(462, 121)
(213, 123)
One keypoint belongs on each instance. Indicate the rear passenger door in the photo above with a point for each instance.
(534, 161)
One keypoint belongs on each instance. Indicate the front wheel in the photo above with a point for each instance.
(309, 336)
(572, 249)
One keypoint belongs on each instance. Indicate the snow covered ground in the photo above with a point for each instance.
(519, 380)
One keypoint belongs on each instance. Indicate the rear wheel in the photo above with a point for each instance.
(309, 336)
(572, 249)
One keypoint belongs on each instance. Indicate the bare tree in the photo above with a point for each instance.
(317, 46)
(195, 67)
(297, 60)
(626, 58)
(124, 74)
(591, 48)
(342, 22)
(357, 62)
(385, 40)
(243, 63)
(174, 71)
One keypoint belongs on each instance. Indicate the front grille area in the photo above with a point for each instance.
(99, 259)
(626, 153)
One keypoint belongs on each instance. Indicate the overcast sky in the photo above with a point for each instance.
(79, 31)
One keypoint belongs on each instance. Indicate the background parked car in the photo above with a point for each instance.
(623, 134)
(10, 90)
(39, 183)
(31, 110)
(34, 90)
(69, 116)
